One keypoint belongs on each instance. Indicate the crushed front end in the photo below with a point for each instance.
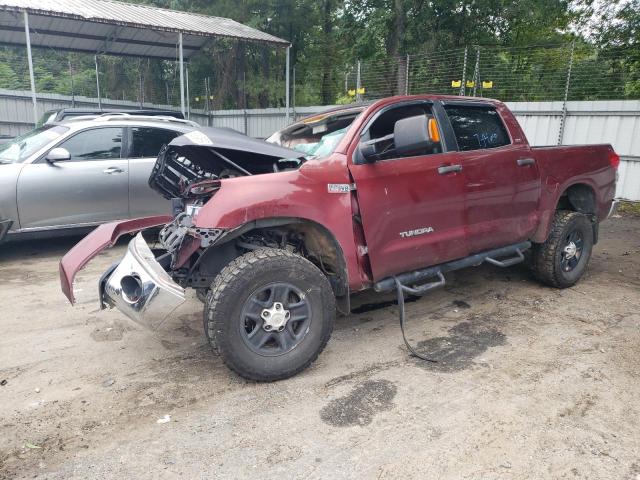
(149, 283)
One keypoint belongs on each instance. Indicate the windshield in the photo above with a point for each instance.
(20, 148)
(318, 136)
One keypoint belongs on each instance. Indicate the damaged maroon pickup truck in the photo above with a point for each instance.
(274, 236)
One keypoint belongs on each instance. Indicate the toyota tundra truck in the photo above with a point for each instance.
(275, 235)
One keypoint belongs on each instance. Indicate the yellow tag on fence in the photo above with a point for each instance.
(470, 84)
(456, 83)
(351, 93)
(488, 84)
(361, 91)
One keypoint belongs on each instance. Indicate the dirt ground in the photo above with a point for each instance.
(531, 383)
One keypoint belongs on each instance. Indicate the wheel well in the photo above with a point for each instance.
(304, 237)
(578, 198)
(581, 198)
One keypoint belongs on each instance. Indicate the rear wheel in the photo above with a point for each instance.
(269, 314)
(562, 259)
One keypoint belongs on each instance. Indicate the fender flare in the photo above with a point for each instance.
(300, 223)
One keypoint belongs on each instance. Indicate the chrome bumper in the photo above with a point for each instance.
(140, 288)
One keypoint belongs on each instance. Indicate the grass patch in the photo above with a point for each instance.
(629, 208)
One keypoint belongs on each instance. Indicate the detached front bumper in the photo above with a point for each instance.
(140, 288)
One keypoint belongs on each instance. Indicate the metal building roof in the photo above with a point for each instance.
(118, 28)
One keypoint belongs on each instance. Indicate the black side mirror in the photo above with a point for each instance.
(412, 135)
(367, 151)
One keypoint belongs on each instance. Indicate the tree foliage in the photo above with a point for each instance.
(329, 36)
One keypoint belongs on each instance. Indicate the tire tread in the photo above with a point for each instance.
(543, 263)
(224, 284)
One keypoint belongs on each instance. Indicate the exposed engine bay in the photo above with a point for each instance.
(192, 165)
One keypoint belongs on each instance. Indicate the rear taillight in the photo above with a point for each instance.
(614, 159)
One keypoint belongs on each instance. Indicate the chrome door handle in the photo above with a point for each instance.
(449, 169)
(523, 162)
(112, 170)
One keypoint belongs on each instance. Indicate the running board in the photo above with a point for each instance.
(490, 256)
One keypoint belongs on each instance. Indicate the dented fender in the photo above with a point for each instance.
(304, 194)
(104, 236)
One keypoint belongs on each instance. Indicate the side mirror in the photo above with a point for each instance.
(367, 151)
(58, 154)
(414, 134)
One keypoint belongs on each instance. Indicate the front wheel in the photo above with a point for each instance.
(562, 259)
(269, 314)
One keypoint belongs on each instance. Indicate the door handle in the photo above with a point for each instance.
(449, 169)
(112, 170)
(523, 162)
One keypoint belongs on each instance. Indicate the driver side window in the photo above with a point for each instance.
(95, 144)
(384, 126)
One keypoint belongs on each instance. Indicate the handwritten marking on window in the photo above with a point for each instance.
(486, 139)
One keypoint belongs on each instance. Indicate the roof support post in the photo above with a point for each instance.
(188, 100)
(287, 86)
(95, 58)
(30, 60)
(181, 74)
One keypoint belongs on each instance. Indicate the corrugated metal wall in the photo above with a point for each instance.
(616, 122)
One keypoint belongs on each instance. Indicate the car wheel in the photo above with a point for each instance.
(269, 314)
(562, 259)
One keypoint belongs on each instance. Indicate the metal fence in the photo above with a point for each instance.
(532, 73)
(223, 76)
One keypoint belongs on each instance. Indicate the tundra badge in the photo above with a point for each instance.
(340, 187)
(417, 231)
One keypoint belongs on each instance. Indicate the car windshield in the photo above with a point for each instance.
(20, 148)
(317, 136)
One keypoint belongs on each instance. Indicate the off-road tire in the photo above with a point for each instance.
(237, 282)
(201, 294)
(546, 257)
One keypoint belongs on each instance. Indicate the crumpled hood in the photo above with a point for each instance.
(228, 139)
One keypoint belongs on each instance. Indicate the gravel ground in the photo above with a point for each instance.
(531, 383)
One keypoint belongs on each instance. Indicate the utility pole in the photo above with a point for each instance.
(287, 86)
(73, 94)
(566, 95)
(358, 80)
(476, 71)
(464, 73)
(406, 76)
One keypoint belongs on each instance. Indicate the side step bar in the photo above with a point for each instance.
(490, 256)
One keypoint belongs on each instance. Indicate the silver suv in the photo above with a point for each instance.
(65, 177)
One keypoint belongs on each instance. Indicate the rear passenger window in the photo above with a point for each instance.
(146, 142)
(477, 128)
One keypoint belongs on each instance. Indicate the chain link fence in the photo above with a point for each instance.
(248, 77)
(536, 73)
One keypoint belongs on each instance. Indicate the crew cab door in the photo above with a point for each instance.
(91, 187)
(412, 210)
(501, 179)
(144, 145)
